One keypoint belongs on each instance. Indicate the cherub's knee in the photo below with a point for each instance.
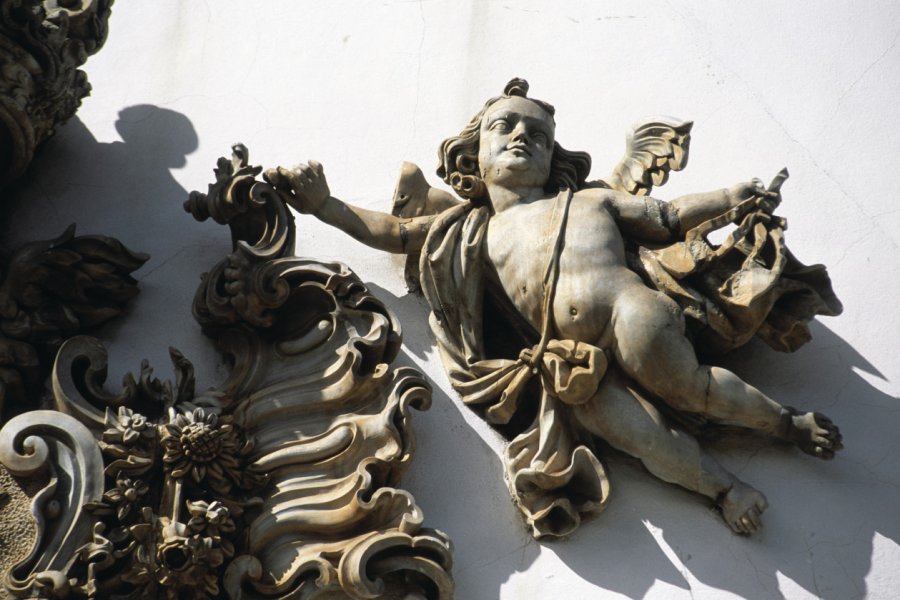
(689, 392)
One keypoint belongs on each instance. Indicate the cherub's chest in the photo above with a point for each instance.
(521, 246)
(522, 241)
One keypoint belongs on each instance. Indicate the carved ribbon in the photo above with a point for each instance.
(569, 370)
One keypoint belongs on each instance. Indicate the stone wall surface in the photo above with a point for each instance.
(362, 87)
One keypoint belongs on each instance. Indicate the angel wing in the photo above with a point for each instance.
(414, 196)
(652, 149)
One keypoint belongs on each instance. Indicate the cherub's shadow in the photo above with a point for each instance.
(823, 528)
(129, 190)
(826, 518)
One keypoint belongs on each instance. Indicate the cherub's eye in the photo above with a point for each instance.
(540, 137)
(501, 125)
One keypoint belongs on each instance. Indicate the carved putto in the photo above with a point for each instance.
(568, 310)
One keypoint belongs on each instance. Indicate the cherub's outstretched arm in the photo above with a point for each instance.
(305, 188)
(656, 220)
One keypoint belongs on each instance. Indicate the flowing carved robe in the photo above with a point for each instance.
(749, 285)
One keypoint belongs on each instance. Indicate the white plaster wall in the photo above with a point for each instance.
(363, 86)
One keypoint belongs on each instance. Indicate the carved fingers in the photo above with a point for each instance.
(766, 200)
(746, 190)
(306, 181)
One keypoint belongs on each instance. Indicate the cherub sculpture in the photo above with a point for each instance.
(568, 310)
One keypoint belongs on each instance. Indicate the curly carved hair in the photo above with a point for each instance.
(458, 156)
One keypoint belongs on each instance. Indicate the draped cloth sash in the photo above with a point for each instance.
(552, 471)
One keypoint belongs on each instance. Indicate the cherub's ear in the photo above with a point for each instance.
(414, 197)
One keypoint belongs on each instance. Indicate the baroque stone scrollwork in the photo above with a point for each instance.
(280, 483)
(42, 44)
(330, 418)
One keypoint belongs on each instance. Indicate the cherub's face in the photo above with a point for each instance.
(516, 144)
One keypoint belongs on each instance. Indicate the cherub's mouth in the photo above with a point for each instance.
(519, 147)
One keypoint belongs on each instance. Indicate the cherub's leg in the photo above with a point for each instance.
(651, 348)
(632, 425)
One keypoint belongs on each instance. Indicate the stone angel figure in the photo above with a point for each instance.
(568, 310)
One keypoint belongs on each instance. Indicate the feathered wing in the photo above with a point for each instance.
(653, 148)
(414, 197)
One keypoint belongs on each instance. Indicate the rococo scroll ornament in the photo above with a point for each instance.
(280, 483)
(569, 311)
(42, 44)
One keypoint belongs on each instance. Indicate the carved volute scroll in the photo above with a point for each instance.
(330, 418)
(42, 44)
(280, 483)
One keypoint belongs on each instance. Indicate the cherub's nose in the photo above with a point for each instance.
(520, 135)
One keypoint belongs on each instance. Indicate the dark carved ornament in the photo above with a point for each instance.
(279, 483)
(52, 290)
(42, 44)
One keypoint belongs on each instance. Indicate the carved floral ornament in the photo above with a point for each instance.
(278, 484)
(49, 291)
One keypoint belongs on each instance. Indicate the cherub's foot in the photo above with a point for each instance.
(741, 508)
(813, 433)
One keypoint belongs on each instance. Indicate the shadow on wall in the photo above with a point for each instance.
(120, 188)
(821, 531)
(128, 190)
(825, 518)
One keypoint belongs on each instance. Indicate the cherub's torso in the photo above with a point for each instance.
(592, 271)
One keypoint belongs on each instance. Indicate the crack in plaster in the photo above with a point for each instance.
(499, 558)
(865, 72)
(697, 26)
(759, 574)
(167, 261)
(812, 566)
(852, 245)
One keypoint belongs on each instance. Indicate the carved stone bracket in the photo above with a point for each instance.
(42, 44)
(280, 483)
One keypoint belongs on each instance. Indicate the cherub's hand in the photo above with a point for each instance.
(766, 200)
(308, 183)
